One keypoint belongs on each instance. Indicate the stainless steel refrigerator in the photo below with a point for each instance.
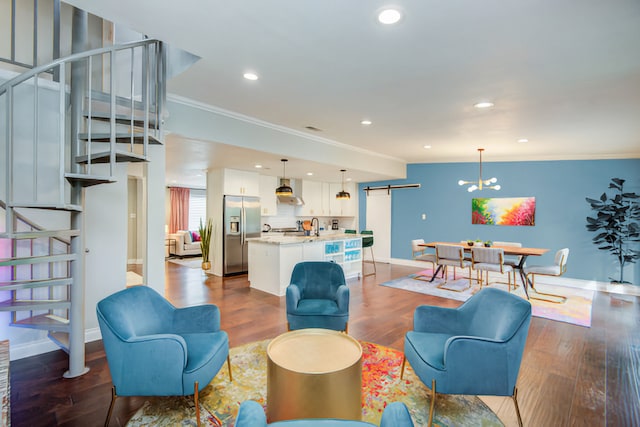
(241, 221)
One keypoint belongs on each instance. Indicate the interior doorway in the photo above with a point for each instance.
(378, 219)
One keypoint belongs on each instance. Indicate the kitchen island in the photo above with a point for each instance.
(272, 258)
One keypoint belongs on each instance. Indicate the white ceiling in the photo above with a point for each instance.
(563, 74)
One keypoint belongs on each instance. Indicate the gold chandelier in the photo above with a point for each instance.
(481, 183)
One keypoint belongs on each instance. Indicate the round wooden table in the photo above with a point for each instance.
(314, 373)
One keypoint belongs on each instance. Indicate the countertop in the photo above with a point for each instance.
(278, 239)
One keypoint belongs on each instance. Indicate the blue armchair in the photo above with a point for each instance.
(473, 349)
(318, 297)
(154, 349)
(251, 414)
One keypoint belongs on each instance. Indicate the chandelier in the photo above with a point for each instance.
(481, 183)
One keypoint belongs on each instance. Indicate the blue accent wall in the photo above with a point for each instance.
(560, 188)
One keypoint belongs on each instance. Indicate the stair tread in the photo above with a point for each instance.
(105, 97)
(49, 322)
(88, 180)
(35, 234)
(105, 157)
(121, 137)
(52, 206)
(26, 305)
(124, 119)
(37, 259)
(12, 285)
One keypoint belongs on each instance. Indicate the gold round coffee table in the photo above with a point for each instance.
(314, 373)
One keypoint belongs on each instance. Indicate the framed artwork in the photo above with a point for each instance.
(519, 211)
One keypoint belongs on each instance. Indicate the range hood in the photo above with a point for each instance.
(289, 200)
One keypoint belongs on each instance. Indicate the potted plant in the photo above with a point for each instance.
(617, 223)
(488, 243)
(205, 242)
(469, 242)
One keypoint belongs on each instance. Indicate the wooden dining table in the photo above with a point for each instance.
(523, 253)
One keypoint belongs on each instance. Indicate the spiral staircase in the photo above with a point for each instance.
(63, 128)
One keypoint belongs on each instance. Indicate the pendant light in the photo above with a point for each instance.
(343, 195)
(284, 189)
(478, 185)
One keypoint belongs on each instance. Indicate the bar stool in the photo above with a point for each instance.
(367, 242)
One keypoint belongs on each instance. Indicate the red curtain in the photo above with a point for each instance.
(179, 218)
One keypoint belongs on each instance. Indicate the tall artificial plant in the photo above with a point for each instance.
(205, 238)
(617, 224)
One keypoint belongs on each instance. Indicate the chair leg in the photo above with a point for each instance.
(404, 362)
(374, 261)
(114, 396)
(433, 402)
(515, 402)
(346, 328)
(561, 299)
(229, 367)
(195, 400)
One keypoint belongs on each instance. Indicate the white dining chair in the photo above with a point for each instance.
(452, 255)
(557, 269)
(489, 259)
(418, 254)
(512, 260)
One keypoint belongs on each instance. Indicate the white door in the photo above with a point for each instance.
(379, 221)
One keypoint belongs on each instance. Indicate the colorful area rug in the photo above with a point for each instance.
(576, 310)
(381, 384)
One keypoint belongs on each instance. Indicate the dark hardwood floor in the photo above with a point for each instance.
(570, 375)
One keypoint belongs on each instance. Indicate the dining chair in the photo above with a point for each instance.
(452, 255)
(557, 269)
(418, 254)
(512, 260)
(367, 242)
(489, 259)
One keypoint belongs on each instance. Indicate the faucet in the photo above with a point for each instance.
(317, 226)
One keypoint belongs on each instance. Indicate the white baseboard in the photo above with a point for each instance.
(34, 348)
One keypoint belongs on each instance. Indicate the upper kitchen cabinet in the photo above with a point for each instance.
(268, 198)
(315, 199)
(241, 183)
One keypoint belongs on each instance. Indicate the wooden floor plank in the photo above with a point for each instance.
(564, 367)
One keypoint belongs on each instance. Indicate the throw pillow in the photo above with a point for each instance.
(187, 237)
(195, 236)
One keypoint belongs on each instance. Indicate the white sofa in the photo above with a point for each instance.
(184, 246)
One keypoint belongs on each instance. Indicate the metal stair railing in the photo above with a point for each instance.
(67, 159)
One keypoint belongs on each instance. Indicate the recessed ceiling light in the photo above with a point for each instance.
(427, 147)
(523, 140)
(366, 122)
(258, 166)
(309, 173)
(250, 76)
(483, 104)
(389, 16)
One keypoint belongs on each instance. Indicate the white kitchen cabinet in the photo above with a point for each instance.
(313, 251)
(241, 183)
(268, 198)
(312, 194)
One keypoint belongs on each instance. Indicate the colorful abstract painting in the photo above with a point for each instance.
(504, 211)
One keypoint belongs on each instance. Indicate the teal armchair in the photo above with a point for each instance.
(317, 297)
(473, 349)
(251, 414)
(155, 349)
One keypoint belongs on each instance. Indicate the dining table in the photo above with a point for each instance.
(522, 252)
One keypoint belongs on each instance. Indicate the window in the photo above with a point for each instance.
(197, 208)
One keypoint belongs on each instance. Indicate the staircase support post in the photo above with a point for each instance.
(79, 38)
